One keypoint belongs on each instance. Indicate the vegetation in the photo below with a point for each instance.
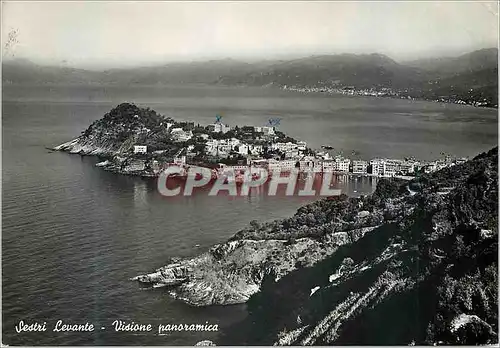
(426, 275)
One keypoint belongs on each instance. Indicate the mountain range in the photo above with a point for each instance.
(472, 76)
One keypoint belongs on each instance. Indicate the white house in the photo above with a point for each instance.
(178, 134)
(342, 164)
(328, 166)
(255, 149)
(140, 149)
(267, 130)
(359, 167)
(221, 128)
(180, 161)
(284, 147)
(135, 166)
(378, 166)
(283, 165)
(301, 145)
(243, 149)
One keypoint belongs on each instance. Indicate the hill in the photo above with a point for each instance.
(470, 78)
(361, 71)
(427, 275)
(486, 58)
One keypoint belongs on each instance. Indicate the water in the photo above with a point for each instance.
(73, 234)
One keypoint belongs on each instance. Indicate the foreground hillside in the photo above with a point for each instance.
(414, 262)
(428, 276)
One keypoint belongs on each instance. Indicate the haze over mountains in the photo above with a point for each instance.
(470, 76)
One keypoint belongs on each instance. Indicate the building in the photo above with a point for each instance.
(391, 167)
(359, 167)
(135, 166)
(407, 167)
(273, 164)
(268, 130)
(140, 149)
(292, 154)
(180, 160)
(221, 128)
(264, 130)
(377, 166)
(222, 147)
(301, 145)
(255, 149)
(178, 134)
(243, 149)
(284, 147)
(342, 164)
(308, 163)
(328, 166)
(235, 168)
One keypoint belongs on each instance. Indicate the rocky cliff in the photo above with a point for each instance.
(113, 137)
(427, 276)
(413, 263)
(231, 272)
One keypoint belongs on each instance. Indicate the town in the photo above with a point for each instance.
(223, 148)
(391, 93)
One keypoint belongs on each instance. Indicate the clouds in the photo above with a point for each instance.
(118, 33)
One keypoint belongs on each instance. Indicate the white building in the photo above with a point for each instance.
(221, 128)
(292, 154)
(284, 147)
(392, 167)
(180, 161)
(328, 166)
(283, 165)
(235, 168)
(221, 147)
(342, 164)
(301, 145)
(243, 149)
(135, 166)
(359, 167)
(178, 134)
(265, 130)
(255, 149)
(268, 130)
(377, 166)
(308, 163)
(140, 149)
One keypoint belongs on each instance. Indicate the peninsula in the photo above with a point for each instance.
(139, 141)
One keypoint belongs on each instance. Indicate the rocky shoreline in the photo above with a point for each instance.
(233, 271)
(331, 272)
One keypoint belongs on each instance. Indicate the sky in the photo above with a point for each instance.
(117, 34)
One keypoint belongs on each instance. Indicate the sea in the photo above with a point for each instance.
(73, 234)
